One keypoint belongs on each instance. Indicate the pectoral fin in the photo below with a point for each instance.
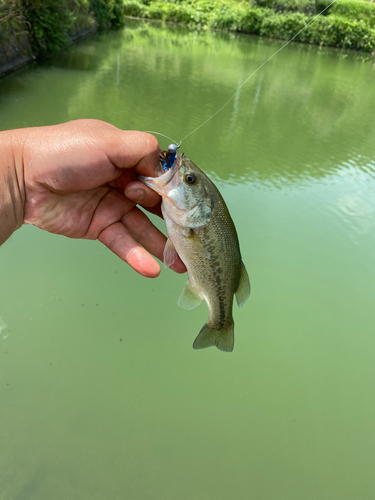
(243, 290)
(198, 243)
(189, 299)
(170, 255)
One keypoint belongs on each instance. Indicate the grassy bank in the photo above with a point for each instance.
(347, 24)
(39, 28)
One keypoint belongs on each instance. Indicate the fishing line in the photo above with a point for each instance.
(158, 133)
(252, 74)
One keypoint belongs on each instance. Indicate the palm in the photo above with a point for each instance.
(69, 214)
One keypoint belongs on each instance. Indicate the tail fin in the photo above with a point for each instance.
(222, 339)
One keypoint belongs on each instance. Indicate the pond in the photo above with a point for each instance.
(101, 393)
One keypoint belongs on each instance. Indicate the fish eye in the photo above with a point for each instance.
(190, 178)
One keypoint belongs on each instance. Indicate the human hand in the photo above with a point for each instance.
(79, 181)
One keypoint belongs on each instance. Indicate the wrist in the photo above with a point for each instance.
(12, 191)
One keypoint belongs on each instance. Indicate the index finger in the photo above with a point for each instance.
(135, 149)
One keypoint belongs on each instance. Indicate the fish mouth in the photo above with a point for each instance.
(169, 174)
(165, 177)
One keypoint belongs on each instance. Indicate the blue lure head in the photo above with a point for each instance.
(167, 160)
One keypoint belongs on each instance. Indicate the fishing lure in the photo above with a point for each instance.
(168, 158)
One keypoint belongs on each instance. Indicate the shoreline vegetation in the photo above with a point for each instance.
(31, 29)
(347, 24)
(37, 29)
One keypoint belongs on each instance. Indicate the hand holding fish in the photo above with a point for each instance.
(78, 179)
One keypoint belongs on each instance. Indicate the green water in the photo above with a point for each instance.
(101, 395)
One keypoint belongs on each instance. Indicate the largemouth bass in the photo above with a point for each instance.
(201, 231)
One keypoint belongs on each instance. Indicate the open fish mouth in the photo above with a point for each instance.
(164, 176)
(168, 174)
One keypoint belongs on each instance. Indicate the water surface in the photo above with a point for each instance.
(101, 393)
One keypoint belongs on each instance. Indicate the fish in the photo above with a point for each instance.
(202, 233)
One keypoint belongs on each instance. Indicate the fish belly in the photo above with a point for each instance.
(213, 270)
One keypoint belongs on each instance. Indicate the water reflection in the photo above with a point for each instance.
(306, 115)
(302, 117)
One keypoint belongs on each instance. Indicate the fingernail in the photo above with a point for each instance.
(135, 194)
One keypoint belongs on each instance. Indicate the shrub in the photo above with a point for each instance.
(304, 6)
(81, 18)
(333, 30)
(251, 20)
(118, 18)
(108, 13)
(171, 12)
(13, 34)
(226, 19)
(355, 10)
(283, 26)
(133, 8)
(49, 22)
